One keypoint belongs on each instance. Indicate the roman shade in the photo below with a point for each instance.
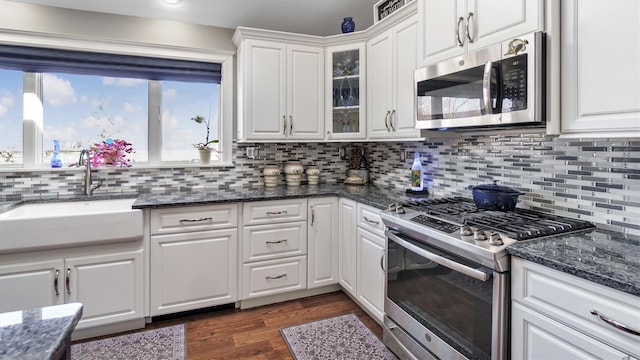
(36, 59)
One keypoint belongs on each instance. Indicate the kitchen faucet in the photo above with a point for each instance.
(89, 186)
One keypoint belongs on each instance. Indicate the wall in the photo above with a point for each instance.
(596, 179)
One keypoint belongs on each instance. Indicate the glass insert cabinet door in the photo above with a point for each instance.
(347, 91)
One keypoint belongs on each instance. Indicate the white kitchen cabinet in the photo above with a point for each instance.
(193, 261)
(370, 290)
(109, 284)
(346, 92)
(553, 316)
(600, 73)
(280, 91)
(449, 28)
(322, 230)
(391, 65)
(347, 257)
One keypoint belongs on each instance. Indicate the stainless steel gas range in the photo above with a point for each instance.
(447, 282)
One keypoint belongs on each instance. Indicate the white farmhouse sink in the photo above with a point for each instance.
(47, 225)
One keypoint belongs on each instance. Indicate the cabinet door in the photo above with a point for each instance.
(535, 336)
(31, 285)
(442, 31)
(346, 92)
(322, 257)
(192, 271)
(379, 85)
(109, 286)
(370, 293)
(600, 72)
(263, 98)
(494, 21)
(347, 225)
(402, 119)
(305, 92)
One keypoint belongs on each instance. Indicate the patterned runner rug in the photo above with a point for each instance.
(163, 343)
(341, 337)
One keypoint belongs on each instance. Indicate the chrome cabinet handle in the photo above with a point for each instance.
(276, 241)
(55, 282)
(386, 120)
(68, 281)
(196, 220)
(460, 20)
(313, 215)
(391, 117)
(290, 125)
(275, 277)
(371, 221)
(284, 125)
(382, 262)
(615, 324)
(467, 28)
(283, 212)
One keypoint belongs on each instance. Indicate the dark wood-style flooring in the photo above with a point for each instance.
(255, 333)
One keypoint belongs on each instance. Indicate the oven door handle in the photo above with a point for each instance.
(455, 266)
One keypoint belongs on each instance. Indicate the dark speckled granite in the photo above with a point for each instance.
(370, 195)
(40, 334)
(601, 256)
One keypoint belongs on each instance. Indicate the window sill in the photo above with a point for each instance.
(101, 168)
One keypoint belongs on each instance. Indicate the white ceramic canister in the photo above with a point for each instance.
(313, 175)
(271, 174)
(293, 172)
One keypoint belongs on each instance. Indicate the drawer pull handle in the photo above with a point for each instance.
(283, 212)
(371, 221)
(68, 281)
(196, 220)
(614, 323)
(55, 282)
(276, 241)
(275, 277)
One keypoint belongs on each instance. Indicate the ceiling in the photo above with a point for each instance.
(317, 17)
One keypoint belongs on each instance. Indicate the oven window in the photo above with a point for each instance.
(454, 306)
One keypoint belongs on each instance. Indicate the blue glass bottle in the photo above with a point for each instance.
(56, 162)
(348, 25)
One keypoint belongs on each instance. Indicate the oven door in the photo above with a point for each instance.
(446, 303)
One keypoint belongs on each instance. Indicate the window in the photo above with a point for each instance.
(11, 91)
(84, 98)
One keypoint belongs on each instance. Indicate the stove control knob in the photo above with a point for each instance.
(465, 230)
(479, 235)
(495, 240)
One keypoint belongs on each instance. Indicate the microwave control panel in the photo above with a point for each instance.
(514, 81)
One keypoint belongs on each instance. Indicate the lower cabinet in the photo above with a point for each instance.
(109, 284)
(370, 291)
(322, 238)
(272, 277)
(347, 232)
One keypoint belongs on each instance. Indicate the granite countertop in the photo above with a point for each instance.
(604, 257)
(41, 333)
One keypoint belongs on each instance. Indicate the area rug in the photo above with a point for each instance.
(162, 343)
(341, 337)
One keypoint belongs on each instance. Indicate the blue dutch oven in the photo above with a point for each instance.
(495, 197)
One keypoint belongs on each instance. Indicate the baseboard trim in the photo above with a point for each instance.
(80, 334)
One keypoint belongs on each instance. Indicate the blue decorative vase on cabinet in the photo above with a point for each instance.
(348, 25)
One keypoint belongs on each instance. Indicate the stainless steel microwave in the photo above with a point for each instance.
(495, 87)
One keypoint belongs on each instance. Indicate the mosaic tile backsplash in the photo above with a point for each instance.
(596, 179)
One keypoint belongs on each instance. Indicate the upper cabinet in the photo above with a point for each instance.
(449, 28)
(600, 96)
(391, 57)
(346, 91)
(280, 90)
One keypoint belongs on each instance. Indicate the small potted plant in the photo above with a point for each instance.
(203, 147)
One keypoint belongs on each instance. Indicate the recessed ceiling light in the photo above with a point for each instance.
(172, 2)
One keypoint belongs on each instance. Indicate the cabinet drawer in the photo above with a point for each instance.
(193, 218)
(570, 299)
(263, 242)
(273, 277)
(369, 219)
(269, 212)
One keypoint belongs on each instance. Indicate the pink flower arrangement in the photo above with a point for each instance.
(111, 152)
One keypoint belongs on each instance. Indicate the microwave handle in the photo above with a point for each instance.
(486, 87)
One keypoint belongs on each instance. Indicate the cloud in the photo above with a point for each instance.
(6, 101)
(128, 107)
(57, 91)
(169, 121)
(109, 125)
(170, 94)
(122, 82)
(64, 134)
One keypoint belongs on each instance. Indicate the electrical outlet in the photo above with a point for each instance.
(403, 155)
(252, 152)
